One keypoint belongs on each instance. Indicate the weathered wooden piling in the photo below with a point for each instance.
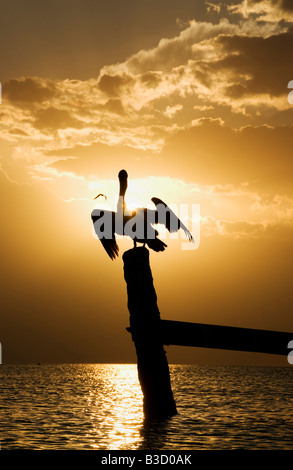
(152, 364)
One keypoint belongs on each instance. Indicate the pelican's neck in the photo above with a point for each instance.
(122, 187)
(121, 204)
(121, 200)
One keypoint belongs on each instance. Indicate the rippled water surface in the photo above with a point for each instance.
(99, 406)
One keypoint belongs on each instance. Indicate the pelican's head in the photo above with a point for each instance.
(122, 175)
(123, 182)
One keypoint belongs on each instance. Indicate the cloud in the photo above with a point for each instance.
(151, 79)
(147, 111)
(113, 84)
(172, 52)
(18, 132)
(265, 10)
(213, 7)
(170, 111)
(239, 228)
(28, 90)
(92, 161)
(259, 155)
(261, 64)
(219, 64)
(114, 106)
(53, 118)
(206, 68)
(242, 229)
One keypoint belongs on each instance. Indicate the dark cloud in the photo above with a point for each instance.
(53, 118)
(115, 106)
(236, 90)
(176, 51)
(27, 90)
(272, 11)
(151, 79)
(18, 131)
(285, 5)
(113, 84)
(263, 63)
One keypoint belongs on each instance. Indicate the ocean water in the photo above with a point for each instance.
(99, 406)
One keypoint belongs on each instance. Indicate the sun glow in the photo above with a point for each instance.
(140, 192)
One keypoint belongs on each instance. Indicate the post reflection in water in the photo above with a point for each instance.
(100, 406)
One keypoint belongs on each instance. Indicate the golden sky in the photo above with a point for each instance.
(191, 98)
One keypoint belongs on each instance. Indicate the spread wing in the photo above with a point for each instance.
(111, 247)
(167, 217)
(104, 225)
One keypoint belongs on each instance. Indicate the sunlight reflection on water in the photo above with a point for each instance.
(99, 406)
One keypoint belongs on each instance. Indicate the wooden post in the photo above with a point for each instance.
(152, 364)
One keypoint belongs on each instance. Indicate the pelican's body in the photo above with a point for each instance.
(138, 225)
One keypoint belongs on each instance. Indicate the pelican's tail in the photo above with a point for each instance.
(156, 244)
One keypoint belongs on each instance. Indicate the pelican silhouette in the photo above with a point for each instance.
(138, 225)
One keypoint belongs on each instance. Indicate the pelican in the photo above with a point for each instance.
(138, 225)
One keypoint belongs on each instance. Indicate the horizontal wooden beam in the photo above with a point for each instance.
(224, 337)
